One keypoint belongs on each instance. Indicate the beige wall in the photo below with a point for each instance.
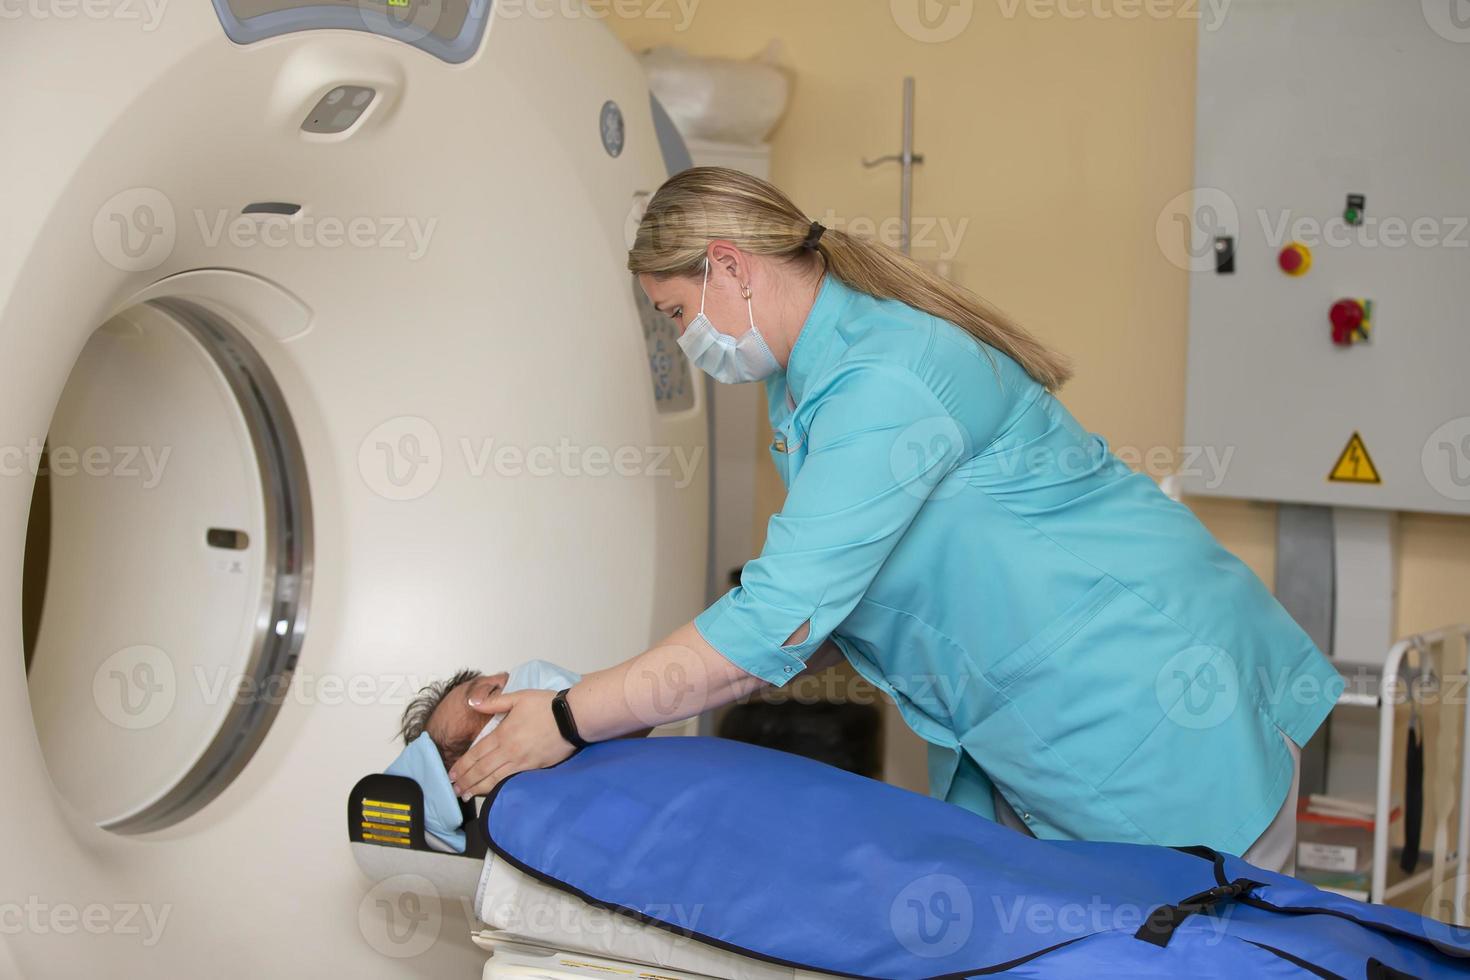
(1053, 143)
(1050, 145)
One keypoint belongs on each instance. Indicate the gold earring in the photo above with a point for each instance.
(745, 292)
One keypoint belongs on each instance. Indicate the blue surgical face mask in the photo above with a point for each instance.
(732, 360)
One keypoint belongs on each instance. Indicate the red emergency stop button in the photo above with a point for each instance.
(1350, 321)
(1295, 259)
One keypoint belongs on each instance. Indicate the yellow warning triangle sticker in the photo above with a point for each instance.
(1355, 465)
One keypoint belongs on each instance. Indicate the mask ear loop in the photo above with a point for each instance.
(749, 302)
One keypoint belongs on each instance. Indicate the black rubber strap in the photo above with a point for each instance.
(1163, 921)
(565, 723)
(1379, 970)
(1413, 801)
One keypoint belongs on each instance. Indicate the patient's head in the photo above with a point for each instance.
(443, 710)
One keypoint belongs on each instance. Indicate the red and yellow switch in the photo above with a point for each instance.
(1295, 259)
(1352, 321)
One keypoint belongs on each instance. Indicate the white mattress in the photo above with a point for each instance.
(512, 901)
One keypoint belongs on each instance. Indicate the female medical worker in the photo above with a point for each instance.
(1084, 660)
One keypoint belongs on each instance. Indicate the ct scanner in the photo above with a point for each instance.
(319, 312)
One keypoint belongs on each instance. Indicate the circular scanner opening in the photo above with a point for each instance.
(167, 567)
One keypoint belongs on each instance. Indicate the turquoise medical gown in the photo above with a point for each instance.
(1024, 597)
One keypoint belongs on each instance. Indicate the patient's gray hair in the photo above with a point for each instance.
(416, 716)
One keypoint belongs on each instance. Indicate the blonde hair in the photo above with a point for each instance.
(701, 205)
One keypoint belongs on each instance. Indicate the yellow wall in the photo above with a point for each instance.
(1051, 144)
(1058, 140)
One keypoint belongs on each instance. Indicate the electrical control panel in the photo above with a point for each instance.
(1329, 255)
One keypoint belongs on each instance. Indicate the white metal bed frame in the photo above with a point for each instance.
(1430, 647)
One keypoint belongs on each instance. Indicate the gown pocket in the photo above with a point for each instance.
(1016, 664)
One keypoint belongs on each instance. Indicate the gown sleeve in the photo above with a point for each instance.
(878, 444)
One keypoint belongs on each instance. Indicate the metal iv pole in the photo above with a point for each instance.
(908, 159)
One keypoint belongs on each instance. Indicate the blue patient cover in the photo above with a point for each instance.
(794, 862)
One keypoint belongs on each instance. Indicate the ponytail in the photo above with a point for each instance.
(706, 203)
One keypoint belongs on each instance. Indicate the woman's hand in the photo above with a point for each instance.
(527, 738)
(678, 679)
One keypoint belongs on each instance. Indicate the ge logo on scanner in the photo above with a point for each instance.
(1199, 687)
(402, 459)
(614, 130)
(934, 916)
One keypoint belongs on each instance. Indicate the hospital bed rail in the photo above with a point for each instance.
(1430, 648)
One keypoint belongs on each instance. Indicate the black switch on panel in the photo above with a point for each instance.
(1353, 213)
(1225, 256)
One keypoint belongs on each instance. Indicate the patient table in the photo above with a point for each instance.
(685, 858)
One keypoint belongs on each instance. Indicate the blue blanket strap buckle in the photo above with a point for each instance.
(1161, 923)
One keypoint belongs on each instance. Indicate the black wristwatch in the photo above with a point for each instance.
(565, 723)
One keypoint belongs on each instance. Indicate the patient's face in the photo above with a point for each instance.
(454, 724)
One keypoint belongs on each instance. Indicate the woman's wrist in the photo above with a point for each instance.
(584, 710)
(680, 678)
(566, 720)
